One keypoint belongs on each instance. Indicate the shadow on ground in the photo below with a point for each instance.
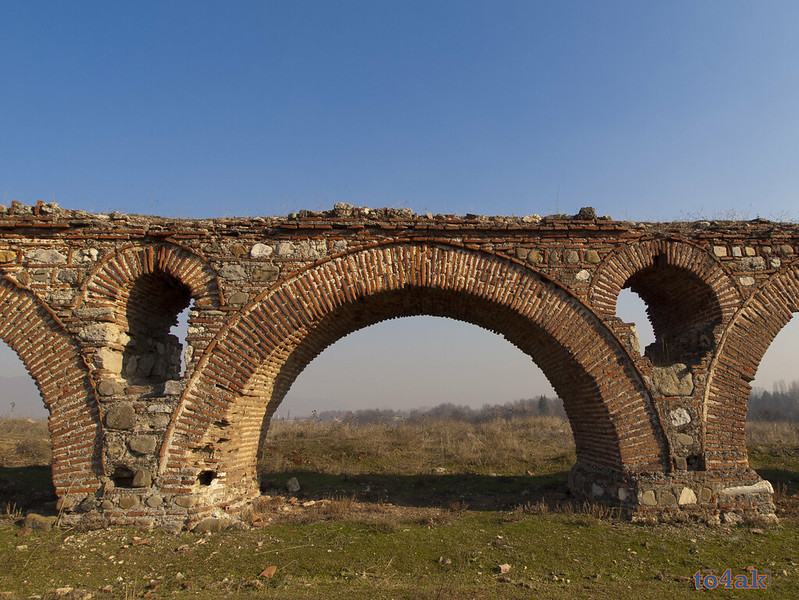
(31, 489)
(26, 489)
(477, 492)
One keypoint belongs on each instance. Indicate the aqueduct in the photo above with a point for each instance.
(87, 301)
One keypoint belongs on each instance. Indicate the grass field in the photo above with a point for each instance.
(402, 511)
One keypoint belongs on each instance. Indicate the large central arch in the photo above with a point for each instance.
(244, 375)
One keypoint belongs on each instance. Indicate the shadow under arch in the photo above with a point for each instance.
(55, 363)
(238, 384)
(743, 346)
(683, 310)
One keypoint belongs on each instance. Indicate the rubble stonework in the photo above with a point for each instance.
(87, 301)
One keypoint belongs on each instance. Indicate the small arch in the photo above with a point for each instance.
(687, 293)
(110, 281)
(682, 309)
(146, 288)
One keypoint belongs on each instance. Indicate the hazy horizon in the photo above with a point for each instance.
(440, 369)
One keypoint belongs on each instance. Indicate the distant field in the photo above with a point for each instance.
(417, 510)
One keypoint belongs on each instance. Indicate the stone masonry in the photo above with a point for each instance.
(87, 302)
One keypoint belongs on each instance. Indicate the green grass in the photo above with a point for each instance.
(552, 556)
(404, 517)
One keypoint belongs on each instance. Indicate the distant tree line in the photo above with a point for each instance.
(541, 406)
(780, 404)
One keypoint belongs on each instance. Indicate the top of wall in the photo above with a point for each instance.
(344, 216)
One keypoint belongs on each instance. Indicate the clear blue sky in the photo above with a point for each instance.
(646, 110)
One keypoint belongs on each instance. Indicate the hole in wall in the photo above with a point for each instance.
(180, 330)
(695, 462)
(123, 477)
(206, 477)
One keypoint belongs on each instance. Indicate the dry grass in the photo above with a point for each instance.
(24, 442)
(508, 447)
(409, 472)
(772, 432)
(25, 456)
(774, 451)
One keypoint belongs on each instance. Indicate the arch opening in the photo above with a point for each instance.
(153, 353)
(631, 308)
(414, 364)
(580, 393)
(581, 435)
(682, 309)
(25, 447)
(772, 436)
(19, 396)
(772, 414)
(54, 362)
(776, 375)
(755, 330)
(411, 408)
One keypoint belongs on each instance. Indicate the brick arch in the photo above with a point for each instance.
(147, 287)
(109, 283)
(743, 346)
(56, 365)
(254, 360)
(621, 264)
(687, 293)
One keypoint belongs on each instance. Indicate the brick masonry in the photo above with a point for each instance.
(87, 302)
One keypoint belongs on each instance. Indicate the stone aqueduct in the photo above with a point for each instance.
(87, 301)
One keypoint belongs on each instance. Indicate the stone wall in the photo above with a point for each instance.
(88, 300)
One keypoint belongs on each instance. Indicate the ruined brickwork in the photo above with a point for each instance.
(87, 302)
